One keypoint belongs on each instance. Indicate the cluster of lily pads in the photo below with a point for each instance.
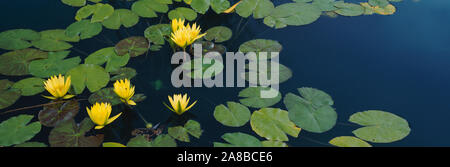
(47, 53)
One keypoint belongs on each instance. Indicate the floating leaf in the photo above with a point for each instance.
(75, 3)
(388, 10)
(160, 141)
(148, 8)
(53, 115)
(283, 74)
(181, 133)
(156, 33)
(30, 86)
(55, 64)
(5, 84)
(15, 63)
(259, 8)
(219, 5)
(124, 17)
(199, 68)
(123, 73)
(138, 98)
(218, 34)
(349, 141)
(108, 56)
(16, 130)
(193, 128)
(273, 124)
(379, 3)
(31, 144)
(349, 9)
(295, 14)
(238, 139)
(368, 10)
(17, 39)
(92, 76)
(84, 28)
(200, 6)
(135, 46)
(270, 143)
(182, 13)
(71, 134)
(313, 112)
(261, 45)
(252, 97)
(324, 5)
(54, 40)
(8, 97)
(380, 126)
(112, 144)
(235, 115)
(106, 95)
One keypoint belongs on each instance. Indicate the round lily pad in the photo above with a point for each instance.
(388, 10)
(235, 115)
(148, 8)
(106, 95)
(273, 124)
(200, 6)
(84, 29)
(75, 3)
(198, 68)
(120, 17)
(135, 46)
(55, 64)
(283, 74)
(220, 5)
(349, 141)
(261, 45)
(218, 34)
(15, 63)
(179, 133)
(30, 86)
(71, 134)
(295, 14)
(17, 39)
(259, 8)
(157, 33)
(123, 73)
(52, 115)
(251, 97)
(380, 126)
(182, 13)
(349, 9)
(109, 56)
(54, 40)
(380, 3)
(238, 139)
(17, 130)
(92, 76)
(160, 141)
(324, 5)
(8, 97)
(271, 143)
(5, 84)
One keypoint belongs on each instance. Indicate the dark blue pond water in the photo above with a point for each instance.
(399, 64)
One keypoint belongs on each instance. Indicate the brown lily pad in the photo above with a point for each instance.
(135, 46)
(53, 115)
(71, 134)
(16, 63)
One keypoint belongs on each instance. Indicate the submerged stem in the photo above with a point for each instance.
(36, 106)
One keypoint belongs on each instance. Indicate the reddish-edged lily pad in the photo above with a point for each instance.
(16, 63)
(71, 134)
(53, 115)
(135, 46)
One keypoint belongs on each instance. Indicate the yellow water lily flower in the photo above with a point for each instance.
(184, 36)
(179, 103)
(99, 114)
(231, 9)
(125, 91)
(58, 87)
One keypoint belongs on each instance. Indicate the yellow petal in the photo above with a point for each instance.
(113, 118)
(231, 9)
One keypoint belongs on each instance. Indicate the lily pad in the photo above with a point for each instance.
(15, 63)
(123, 73)
(54, 40)
(17, 39)
(75, 3)
(349, 9)
(71, 134)
(236, 115)
(8, 97)
(120, 17)
(31, 144)
(16, 130)
(134, 46)
(296, 14)
(349, 141)
(200, 6)
(198, 69)
(106, 95)
(108, 56)
(92, 76)
(182, 13)
(160, 141)
(261, 45)
(55, 64)
(238, 139)
(388, 10)
(99, 12)
(273, 124)
(218, 34)
(271, 143)
(220, 5)
(380, 126)
(251, 97)
(5, 84)
(84, 29)
(259, 8)
(379, 3)
(283, 74)
(325, 5)
(157, 33)
(181, 133)
(313, 112)
(30, 86)
(53, 115)
(148, 8)
(368, 10)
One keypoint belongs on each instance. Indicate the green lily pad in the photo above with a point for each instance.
(120, 17)
(273, 124)
(283, 74)
(182, 13)
(54, 40)
(108, 55)
(160, 141)
(251, 97)
(15, 63)
(148, 8)
(99, 12)
(8, 97)
(75, 3)
(123, 73)
(261, 45)
(84, 29)
(53, 115)
(139, 97)
(16, 130)
(181, 133)
(5, 84)
(219, 6)
(295, 14)
(380, 3)
(380, 126)
(199, 69)
(349, 9)
(30, 86)
(313, 112)
(55, 64)
(134, 46)
(325, 5)
(156, 33)
(17, 39)
(271, 143)
(348, 141)
(106, 95)
(218, 34)
(236, 115)
(92, 76)
(238, 139)
(200, 6)
(31, 144)
(71, 134)
(259, 8)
